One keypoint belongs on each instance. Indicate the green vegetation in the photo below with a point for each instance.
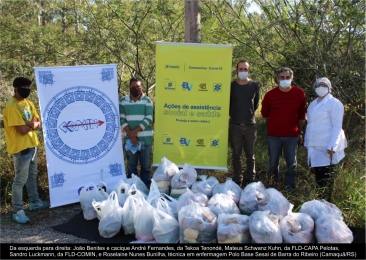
(314, 38)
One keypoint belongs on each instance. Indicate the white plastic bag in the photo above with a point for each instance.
(172, 204)
(253, 193)
(144, 222)
(276, 203)
(111, 219)
(189, 196)
(204, 185)
(154, 194)
(122, 189)
(87, 195)
(98, 207)
(264, 227)
(166, 228)
(104, 186)
(165, 171)
(184, 178)
(297, 228)
(197, 224)
(222, 203)
(131, 208)
(230, 188)
(140, 185)
(317, 208)
(330, 229)
(158, 201)
(233, 228)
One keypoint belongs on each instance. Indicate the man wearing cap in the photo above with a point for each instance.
(325, 140)
(284, 108)
(244, 100)
(21, 121)
(136, 119)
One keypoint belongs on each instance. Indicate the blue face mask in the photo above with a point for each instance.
(285, 83)
(243, 75)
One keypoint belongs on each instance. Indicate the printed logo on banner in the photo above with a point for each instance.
(200, 142)
(217, 87)
(168, 66)
(57, 180)
(63, 128)
(46, 77)
(215, 143)
(107, 74)
(115, 169)
(202, 87)
(87, 189)
(168, 140)
(187, 86)
(169, 85)
(184, 142)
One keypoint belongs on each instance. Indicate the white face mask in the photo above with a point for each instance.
(285, 83)
(321, 91)
(243, 75)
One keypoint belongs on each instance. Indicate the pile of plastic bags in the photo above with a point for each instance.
(200, 209)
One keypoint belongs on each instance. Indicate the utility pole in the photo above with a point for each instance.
(192, 21)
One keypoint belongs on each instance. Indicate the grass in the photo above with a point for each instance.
(348, 193)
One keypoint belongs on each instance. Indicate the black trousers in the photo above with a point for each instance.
(324, 181)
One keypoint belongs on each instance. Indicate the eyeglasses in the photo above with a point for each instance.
(321, 84)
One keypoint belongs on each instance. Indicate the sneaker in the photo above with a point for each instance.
(38, 205)
(20, 217)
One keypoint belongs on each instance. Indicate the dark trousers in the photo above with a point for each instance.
(243, 136)
(324, 181)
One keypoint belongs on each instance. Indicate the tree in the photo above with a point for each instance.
(192, 21)
(315, 39)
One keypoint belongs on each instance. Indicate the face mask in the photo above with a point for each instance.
(135, 92)
(321, 91)
(24, 92)
(243, 75)
(285, 83)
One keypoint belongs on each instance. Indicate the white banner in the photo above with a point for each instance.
(81, 129)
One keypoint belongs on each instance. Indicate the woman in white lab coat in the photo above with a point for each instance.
(324, 137)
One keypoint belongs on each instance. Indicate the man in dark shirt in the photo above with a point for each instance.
(244, 99)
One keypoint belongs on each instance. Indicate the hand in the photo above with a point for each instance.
(134, 141)
(300, 139)
(36, 123)
(32, 124)
(131, 134)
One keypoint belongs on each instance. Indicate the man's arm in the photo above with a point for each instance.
(23, 129)
(301, 116)
(265, 107)
(29, 126)
(257, 97)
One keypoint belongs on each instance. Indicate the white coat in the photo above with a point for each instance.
(324, 131)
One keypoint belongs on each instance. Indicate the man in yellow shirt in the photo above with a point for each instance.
(20, 121)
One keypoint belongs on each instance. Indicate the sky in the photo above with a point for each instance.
(254, 8)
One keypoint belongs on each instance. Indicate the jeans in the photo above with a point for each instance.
(144, 156)
(243, 136)
(25, 174)
(289, 145)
